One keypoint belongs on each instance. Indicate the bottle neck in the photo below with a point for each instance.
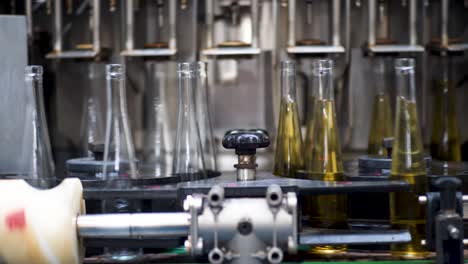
(445, 67)
(187, 74)
(288, 84)
(323, 80)
(405, 79)
(381, 75)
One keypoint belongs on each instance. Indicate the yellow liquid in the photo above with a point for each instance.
(445, 143)
(289, 153)
(408, 164)
(310, 130)
(325, 211)
(381, 125)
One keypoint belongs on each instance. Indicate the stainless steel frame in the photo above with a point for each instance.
(58, 52)
(130, 50)
(336, 45)
(445, 45)
(410, 47)
(212, 50)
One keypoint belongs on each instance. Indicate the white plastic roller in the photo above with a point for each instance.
(39, 226)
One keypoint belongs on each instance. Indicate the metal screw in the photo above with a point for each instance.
(453, 232)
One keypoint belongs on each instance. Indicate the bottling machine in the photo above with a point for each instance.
(233, 131)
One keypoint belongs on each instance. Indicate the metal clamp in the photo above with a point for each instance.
(95, 50)
(245, 230)
(130, 50)
(444, 227)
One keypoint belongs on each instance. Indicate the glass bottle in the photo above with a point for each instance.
(381, 122)
(158, 141)
(408, 164)
(203, 116)
(119, 162)
(445, 142)
(41, 168)
(288, 152)
(311, 100)
(325, 163)
(92, 124)
(189, 161)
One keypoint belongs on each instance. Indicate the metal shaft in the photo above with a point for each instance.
(423, 199)
(141, 225)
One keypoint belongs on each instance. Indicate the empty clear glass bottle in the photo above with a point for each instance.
(445, 142)
(188, 153)
(119, 162)
(92, 123)
(204, 117)
(158, 141)
(325, 163)
(119, 152)
(41, 168)
(381, 122)
(288, 152)
(408, 165)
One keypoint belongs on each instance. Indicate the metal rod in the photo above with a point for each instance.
(129, 44)
(58, 26)
(142, 225)
(291, 23)
(96, 13)
(340, 237)
(336, 30)
(254, 12)
(383, 24)
(423, 199)
(29, 19)
(413, 35)
(371, 37)
(172, 25)
(210, 23)
(444, 41)
(423, 242)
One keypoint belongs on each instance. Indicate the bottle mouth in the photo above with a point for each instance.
(33, 70)
(288, 66)
(115, 70)
(188, 67)
(404, 65)
(322, 66)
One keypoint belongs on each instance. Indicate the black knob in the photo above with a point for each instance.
(246, 141)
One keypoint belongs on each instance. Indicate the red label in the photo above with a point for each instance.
(16, 220)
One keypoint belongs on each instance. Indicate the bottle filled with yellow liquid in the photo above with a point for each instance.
(310, 124)
(408, 165)
(324, 162)
(445, 142)
(288, 152)
(381, 122)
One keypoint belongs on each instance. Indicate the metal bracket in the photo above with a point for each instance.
(130, 50)
(96, 49)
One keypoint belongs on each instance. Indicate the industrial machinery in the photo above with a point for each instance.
(233, 131)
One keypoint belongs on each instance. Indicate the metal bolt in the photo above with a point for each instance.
(188, 244)
(274, 195)
(275, 255)
(453, 232)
